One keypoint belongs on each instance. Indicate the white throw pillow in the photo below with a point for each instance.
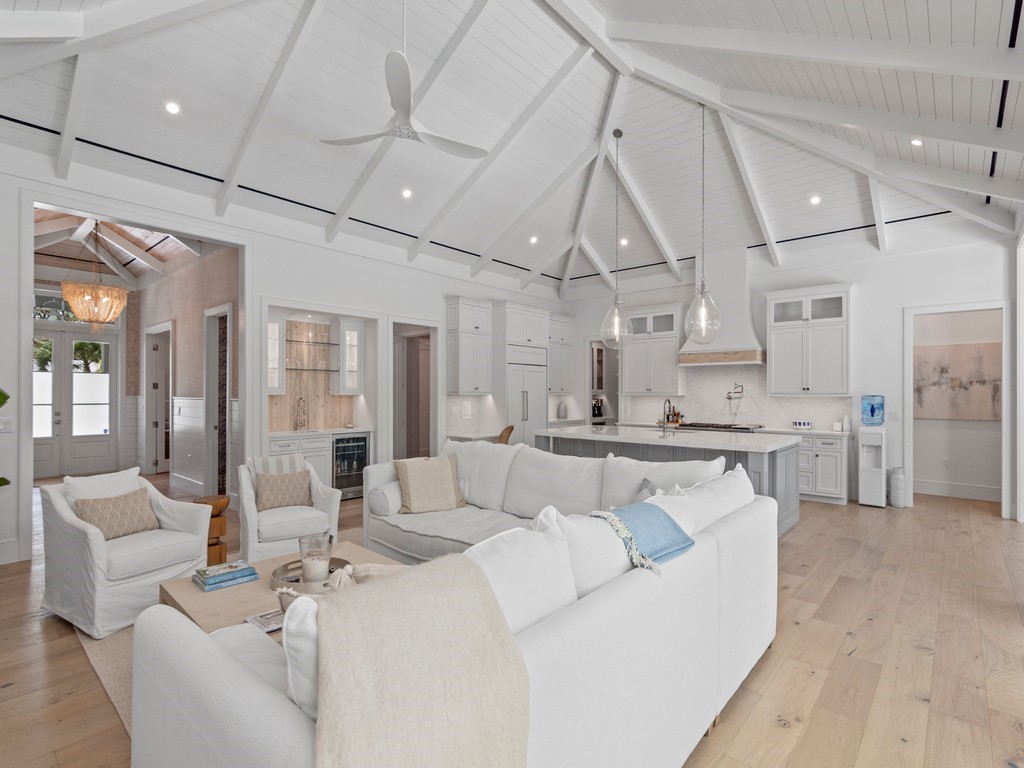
(539, 478)
(482, 469)
(101, 486)
(385, 499)
(529, 571)
(623, 476)
(596, 552)
(301, 657)
(698, 507)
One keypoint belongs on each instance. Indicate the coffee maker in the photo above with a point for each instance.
(597, 407)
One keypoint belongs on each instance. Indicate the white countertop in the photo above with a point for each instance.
(793, 431)
(751, 442)
(473, 435)
(321, 432)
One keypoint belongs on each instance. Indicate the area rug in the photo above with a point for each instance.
(111, 659)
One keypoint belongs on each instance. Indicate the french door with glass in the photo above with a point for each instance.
(74, 396)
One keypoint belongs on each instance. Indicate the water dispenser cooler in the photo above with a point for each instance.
(871, 466)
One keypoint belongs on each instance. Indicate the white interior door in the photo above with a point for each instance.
(46, 411)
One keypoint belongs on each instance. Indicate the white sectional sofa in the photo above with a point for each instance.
(630, 673)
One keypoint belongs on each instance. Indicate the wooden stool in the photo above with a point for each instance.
(216, 550)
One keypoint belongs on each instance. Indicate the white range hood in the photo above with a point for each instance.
(728, 280)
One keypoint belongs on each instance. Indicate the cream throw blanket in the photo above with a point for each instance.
(419, 668)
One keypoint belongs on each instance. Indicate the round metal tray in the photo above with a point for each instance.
(289, 575)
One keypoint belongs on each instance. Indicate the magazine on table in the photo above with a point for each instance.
(271, 621)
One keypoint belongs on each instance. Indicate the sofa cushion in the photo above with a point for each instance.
(150, 551)
(623, 477)
(482, 469)
(529, 571)
(538, 479)
(282, 489)
(101, 486)
(596, 553)
(432, 534)
(118, 516)
(428, 485)
(301, 655)
(698, 507)
(290, 523)
(385, 499)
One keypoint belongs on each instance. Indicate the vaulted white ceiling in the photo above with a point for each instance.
(802, 99)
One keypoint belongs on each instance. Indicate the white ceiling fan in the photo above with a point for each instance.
(402, 125)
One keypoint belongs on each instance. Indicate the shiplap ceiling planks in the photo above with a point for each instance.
(823, 99)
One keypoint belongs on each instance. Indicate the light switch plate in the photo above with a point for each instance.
(7, 424)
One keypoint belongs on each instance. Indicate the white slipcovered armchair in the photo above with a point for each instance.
(102, 586)
(276, 532)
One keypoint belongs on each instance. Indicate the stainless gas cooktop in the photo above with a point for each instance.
(709, 426)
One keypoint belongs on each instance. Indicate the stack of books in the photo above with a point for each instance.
(224, 575)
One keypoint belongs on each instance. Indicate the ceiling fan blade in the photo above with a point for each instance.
(396, 73)
(450, 146)
(355, 139)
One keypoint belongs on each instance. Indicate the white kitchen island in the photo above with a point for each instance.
(771, 460)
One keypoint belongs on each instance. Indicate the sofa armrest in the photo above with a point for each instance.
(386, 499)
(326, 499)
(175, 515)
(195, 704)
(374, 475)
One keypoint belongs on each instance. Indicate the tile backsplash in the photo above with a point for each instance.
(705, 400)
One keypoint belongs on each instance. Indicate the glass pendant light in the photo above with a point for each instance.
(615, 330)
(703, 324)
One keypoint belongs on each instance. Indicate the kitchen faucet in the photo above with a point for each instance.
(666, 409)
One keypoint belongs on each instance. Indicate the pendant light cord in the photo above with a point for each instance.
(703, 258)
(617, 216)
(404, 53)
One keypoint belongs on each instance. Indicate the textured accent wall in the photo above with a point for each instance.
(182, 296)
(133, 345)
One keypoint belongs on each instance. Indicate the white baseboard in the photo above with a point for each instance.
(189, 485)
(234, 503)
(958, 490)
(9, 551)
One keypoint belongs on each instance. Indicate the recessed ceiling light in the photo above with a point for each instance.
(406, 193)
(172, 107)
(623, 241)
(533, 240)
(917, 142)
(815, 200)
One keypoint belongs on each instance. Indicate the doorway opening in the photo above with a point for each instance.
(414, 409)
(604, 384)
(956, 434)
(155, 456)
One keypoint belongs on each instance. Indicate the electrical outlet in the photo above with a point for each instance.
(894, 415)
(945, 462)
(7, 424)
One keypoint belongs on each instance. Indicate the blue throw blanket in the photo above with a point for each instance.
(648, 532)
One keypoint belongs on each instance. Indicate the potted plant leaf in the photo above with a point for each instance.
(4, 397)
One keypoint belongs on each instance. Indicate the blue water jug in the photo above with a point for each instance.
(872, 410)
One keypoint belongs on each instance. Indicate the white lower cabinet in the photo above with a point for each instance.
(316, 449)
(822, 468)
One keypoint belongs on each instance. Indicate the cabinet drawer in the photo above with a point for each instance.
(828, 443)
(316, 444)
(807, 442)
(283, 446)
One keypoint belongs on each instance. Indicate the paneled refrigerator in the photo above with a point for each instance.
(527, 398)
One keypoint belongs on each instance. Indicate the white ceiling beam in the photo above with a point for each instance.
(537, 270)
(594, 258)
(440, 64)
(973, 134)
(633, 192)
(40, 26)
(986, 62)
(114, 264)
(595, 173)
(131, 249)
(571, 65)
(200, 248)
(56, 225)
(540, 202)
(107, 25)
(589, 24)
(60, 274)
(946, 177)
(83, 230)
(51, 238)
(879, 214)
(73, 112)
(692, 87)
(760, 212)
(300, 30)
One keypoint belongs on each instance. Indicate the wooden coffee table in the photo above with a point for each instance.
(229, 606)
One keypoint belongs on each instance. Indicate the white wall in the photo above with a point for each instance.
(958, 457)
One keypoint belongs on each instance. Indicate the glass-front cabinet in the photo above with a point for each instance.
(349, 335)
(275, 356)
(653, 324)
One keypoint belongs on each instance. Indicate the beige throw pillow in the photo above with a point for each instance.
(283, 490)
(118, 516)
(429, 485)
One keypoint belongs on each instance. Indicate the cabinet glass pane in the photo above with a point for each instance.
(638, 324)
(664, 323)
(351, 359)
(788, 311)
(273, 355)
(827, 308)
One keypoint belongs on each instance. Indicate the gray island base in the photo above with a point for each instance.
(770, 460)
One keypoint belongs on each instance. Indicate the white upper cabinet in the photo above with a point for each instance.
(650, 360)
(275, 356)
(469, 346)
(809, 341)
(655, 323)
(526, 325)
(561, 330)
(347, 357)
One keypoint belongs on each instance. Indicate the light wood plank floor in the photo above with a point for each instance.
(900, 643)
